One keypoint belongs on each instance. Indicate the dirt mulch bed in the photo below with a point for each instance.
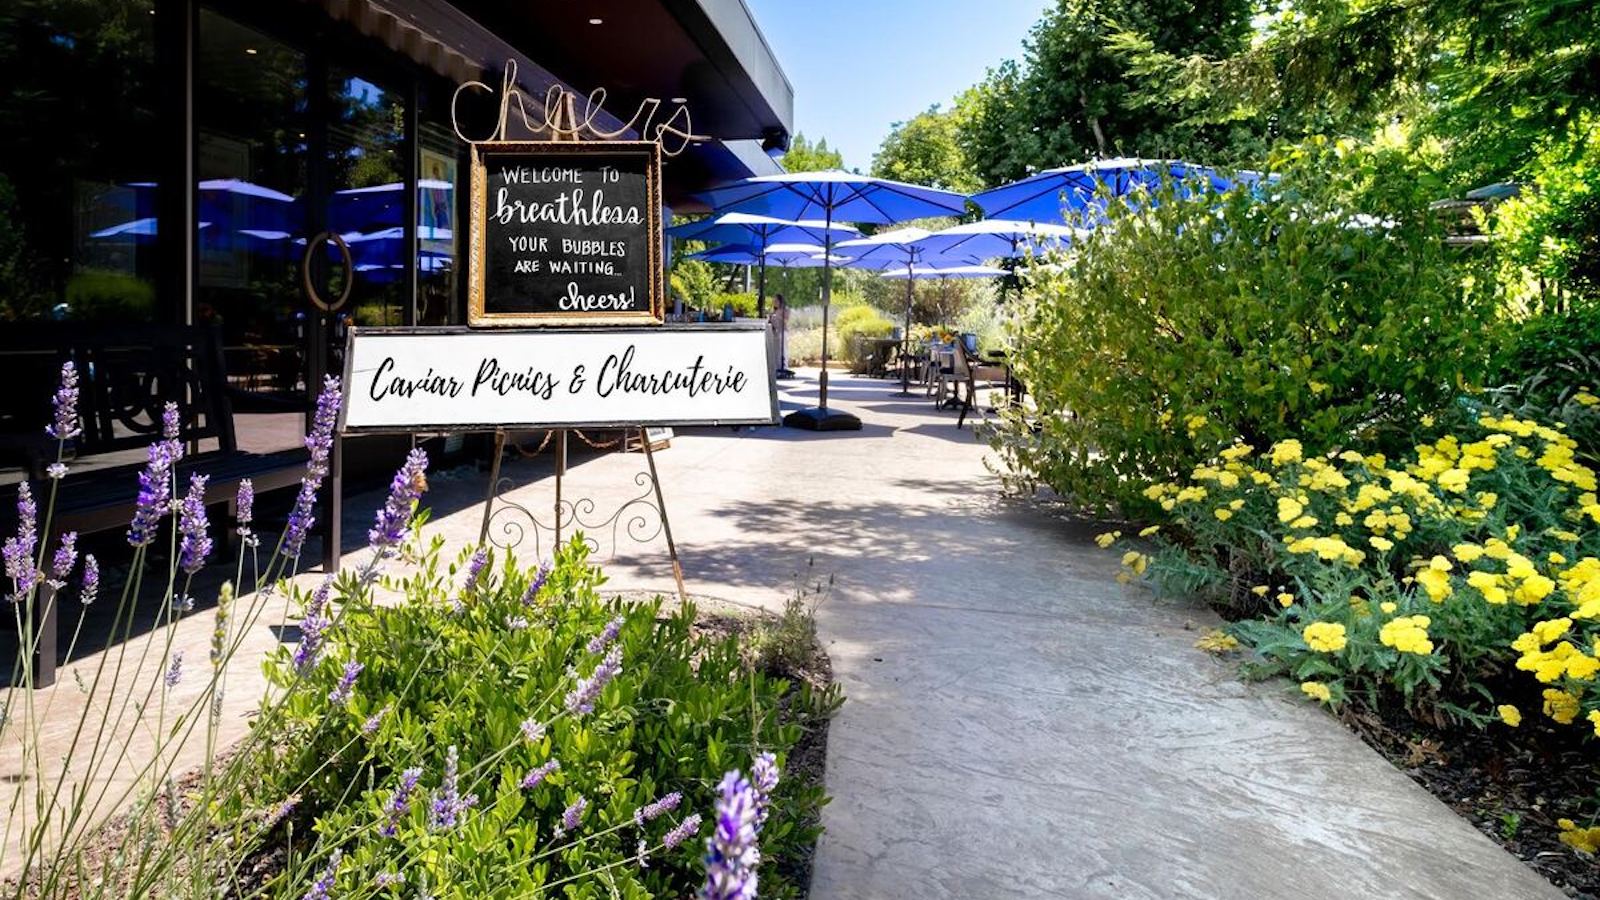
(808, 758)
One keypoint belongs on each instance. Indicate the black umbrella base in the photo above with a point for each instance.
(820, 418)
(784, 373)
(905, 394)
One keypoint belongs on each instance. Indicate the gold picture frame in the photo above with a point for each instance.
(479, 315)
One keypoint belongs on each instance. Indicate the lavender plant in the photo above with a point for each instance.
(428, 744)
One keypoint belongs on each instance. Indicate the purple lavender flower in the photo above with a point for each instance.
(731, 851)
(536, 585)
(654, 810)
(169, 421)
(91, 579)
(319, 442)
(389, 879)
(448, 802)
(410, 480)
(517, 623)
(312, 627)
(322, 888)
(536, 777)
(581, 699)
(281, 811)
(572, 816)
(764, 780)
(601, 641)
(399, 802)
(472, 581)
(194, 544)
(155, 486)
(532, 730)
(175, 669)
(244, 506)
(373, 722)
(340, 695)
(65, 403)
(641, 852)
(56, 471)
(65, 558)
(688, 828)
(18, 550)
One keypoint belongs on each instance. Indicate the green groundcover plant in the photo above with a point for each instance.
(499, 732)
(1316, 306)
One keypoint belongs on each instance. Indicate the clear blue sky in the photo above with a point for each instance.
(859, 66)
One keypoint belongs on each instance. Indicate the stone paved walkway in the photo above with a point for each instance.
(1017, 724)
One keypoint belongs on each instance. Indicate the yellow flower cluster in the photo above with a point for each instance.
(1316, 690)
(1560, 705)
(1489, 531)
(1585, 839)
(1217, 641)
(1562, 660)
(1408, 634)
(1325, 637)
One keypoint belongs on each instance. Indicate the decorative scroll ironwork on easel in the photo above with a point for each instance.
(639, 518)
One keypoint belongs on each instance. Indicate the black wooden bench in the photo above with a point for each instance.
(126, 374)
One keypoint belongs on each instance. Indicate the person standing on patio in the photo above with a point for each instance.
(780, 322)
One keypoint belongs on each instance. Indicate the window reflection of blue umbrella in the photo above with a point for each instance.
(759, 233)
(383, 205)
(833, 196)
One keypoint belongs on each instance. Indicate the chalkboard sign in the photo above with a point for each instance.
(565, 233)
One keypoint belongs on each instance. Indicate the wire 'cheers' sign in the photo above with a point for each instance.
(409, 379)
(565, 232)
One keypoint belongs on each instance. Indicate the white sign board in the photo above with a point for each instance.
(443, 379)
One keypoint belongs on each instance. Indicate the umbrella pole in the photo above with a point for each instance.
(905, 339)
(761, 284)
(827, 297)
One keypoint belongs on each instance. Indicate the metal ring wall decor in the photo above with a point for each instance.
(349, 271)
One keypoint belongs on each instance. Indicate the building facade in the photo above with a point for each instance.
(179, 162)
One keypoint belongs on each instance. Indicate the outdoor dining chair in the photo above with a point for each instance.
(972, 375)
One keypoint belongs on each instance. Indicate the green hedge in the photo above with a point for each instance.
(1324, 306)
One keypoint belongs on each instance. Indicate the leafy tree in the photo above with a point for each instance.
(927, 150)
(804, 156)
(1077, 94)
(1491, 80)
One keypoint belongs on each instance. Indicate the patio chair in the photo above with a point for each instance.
(973, 375)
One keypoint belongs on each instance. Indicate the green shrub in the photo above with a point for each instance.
(854, 325)
(744, 304)
(462, 664)
(103, 295)
(1320, 307)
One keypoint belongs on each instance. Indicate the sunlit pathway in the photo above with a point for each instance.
(1019, 725)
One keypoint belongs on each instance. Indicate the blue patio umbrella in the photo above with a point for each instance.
(899, 250)
(1054, 195)
(998, 238)
(832, 196)
(759, 232)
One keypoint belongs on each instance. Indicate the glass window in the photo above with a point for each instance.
(77, 189)
(438, 244)
(252, 122)
(367, 200)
